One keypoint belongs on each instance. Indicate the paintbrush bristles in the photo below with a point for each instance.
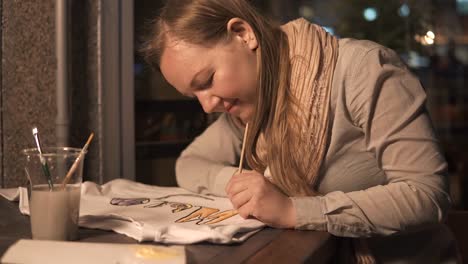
(243, 148)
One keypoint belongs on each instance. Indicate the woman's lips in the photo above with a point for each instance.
(231, 106)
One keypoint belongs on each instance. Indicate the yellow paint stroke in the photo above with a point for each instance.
(218, 217)
(207, 216)
(198, 215)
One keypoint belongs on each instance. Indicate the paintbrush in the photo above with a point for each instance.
(243, 148)
(45, 167)
(242, 151)
(77, 161)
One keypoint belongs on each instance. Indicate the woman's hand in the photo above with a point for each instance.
(254, 195)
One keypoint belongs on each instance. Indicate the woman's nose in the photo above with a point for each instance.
(208, 101)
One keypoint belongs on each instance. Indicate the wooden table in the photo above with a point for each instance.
(267, 246)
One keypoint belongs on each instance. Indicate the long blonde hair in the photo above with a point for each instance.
(204, 22)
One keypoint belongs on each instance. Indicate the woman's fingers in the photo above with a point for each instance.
(236, 181)
(244, 190)
(236, 188)
(240, 198)
(245, 210)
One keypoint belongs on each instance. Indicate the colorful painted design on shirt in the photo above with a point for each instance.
(201, 215)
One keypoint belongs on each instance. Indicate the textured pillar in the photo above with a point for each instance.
(28, 82)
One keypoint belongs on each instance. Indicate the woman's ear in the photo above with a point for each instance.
(241, 29)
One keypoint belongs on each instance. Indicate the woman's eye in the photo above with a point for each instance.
(209, 82)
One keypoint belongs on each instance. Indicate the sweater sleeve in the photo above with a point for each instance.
(208, 163)
(388, 103)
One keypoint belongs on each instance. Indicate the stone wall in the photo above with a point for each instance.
(28, 95)
(28, 81)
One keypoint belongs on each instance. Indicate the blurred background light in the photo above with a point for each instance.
(329, 30)
(306, 11)
(462, 6)
(427, 39)
(430, 34)
(370, 14)
(404, 10)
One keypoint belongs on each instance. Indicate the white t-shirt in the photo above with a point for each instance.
(160, 214)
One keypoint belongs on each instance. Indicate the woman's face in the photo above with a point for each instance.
(223, 77)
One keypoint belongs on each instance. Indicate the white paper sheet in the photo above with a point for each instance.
(58, 252)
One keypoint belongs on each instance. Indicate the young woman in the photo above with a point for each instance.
(339, 139)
